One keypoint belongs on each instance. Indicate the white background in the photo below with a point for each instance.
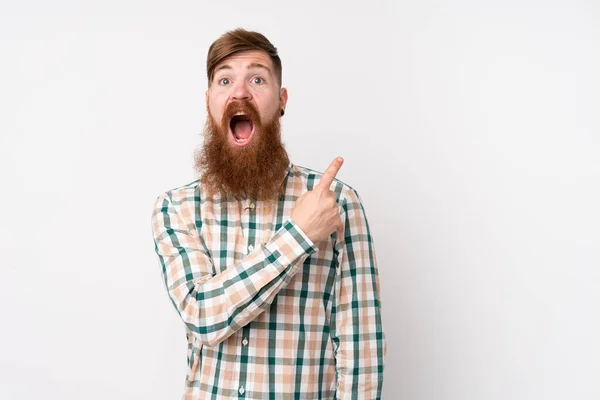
(469, 128)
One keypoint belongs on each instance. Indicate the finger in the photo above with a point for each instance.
(330, 173)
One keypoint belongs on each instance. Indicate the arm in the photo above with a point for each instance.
(214, 306)
(359, 341)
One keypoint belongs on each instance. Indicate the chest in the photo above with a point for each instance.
(230, 231)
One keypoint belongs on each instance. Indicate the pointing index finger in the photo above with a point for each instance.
(330, 173)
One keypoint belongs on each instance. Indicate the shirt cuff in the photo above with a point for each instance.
(289, 244)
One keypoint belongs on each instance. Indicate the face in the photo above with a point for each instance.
(243, 154)
(245, 77)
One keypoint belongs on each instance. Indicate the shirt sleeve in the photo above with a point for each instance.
(359, 341)
(215, 305)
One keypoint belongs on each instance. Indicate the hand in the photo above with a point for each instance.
(316, 212)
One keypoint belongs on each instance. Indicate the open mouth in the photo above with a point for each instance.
(241, 128)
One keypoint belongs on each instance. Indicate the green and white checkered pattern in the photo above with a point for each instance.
(268, 313)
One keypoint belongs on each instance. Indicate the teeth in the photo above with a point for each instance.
(240, 113)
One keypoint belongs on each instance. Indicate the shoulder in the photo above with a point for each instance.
(180, 195)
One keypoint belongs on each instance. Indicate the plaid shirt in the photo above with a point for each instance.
(268, 313)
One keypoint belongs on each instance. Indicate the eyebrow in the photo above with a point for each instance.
(253, 65)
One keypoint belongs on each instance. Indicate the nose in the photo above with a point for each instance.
(241, 92)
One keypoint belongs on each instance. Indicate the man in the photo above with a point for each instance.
(270, 265)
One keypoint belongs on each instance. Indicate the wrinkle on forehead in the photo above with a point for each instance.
(250, 66)
(247, 60)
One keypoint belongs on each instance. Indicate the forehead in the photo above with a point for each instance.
(246, 59)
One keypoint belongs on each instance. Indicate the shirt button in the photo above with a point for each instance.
(245, 342)
(252, 205)
(250, 248)
(241, 390)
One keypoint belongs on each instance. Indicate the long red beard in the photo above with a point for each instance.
(254, 171)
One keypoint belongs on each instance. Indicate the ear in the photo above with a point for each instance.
(206, 96)
(283, 98)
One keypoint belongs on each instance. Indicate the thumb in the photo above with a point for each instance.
(340, 233)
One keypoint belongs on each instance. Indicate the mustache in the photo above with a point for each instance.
(243, 106)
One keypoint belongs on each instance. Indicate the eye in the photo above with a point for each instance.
(224, 81)
(258, 80)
